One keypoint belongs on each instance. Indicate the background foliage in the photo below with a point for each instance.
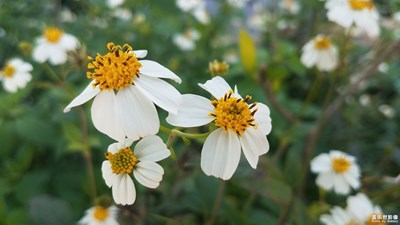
(43, 178)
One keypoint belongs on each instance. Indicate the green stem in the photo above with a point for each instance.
(217, 203)
(183, 134)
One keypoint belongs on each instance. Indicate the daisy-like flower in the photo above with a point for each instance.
(336, 170)
(125, 90)
(362, 13)
(320, 52)
(99, 215)
(362, 209)
(338, 216)
(53, 46)
(121, 162)
(186, 41)
(15, 74)
(196, 7)
(240, 125)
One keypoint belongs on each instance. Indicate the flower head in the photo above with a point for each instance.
(338, 216)
(336, 170)
(218, 68)
(320, 52)
(125, 90)
(186, 40)
(362, 13)
(122, 162)
(99, 215)
(196, 7)
(53, 45)
(15, 74)
(240, 125)
(362, 209)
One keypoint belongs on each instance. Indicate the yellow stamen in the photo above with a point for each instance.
(53, 34)
(233, 113)
(340, 164)
(361, 4)
(100, 213)
(322, 42)
(8, 70)
(123, 161)
(116, 69)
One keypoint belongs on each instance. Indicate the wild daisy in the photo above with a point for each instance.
(336, 170)
(53, 45)
(320, 52)
(99, 215)
(362, 13)
(187, 40)
(239, 125)
(122, 162)
(125, 90)
(362, 209)
(15, 74)
(338, 216)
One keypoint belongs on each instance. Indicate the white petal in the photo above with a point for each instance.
(220, 154)
(108, 175)
(140, 53)
(10, 86)
(353, 181)
(104, 115)
(193, 112)
(83, 97)
(217, 87)
(309, 57)
(151, 148)
(325, 180)
(263, 119)
(254, 143)
(57, 56)
(114, 148)
(154, 69)
(41, 53)
(160, 92)
(137, 114)
(68, 42)
(341, 15)
(321, 163)
(149, 174)
(123, 190)
(340, 185)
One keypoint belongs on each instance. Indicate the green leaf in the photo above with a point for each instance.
(36, 130)
(47, 210)
(247, 49)
(35, 180)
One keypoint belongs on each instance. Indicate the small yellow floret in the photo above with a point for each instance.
(100, 213)
(361, 4)
(53, 34)
(340, 164)
(123, 161)
(322, 42)
(8, 70)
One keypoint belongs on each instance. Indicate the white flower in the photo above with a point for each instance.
(291, 6)
(320, 52)
(99, 215)
(125, 91)
(362, 13)
(336, 170)
(387, 111)
(240, 125)
(338, 216)
(122, 13)
(362, 209)
(186, 40)
(196, 7)
(188, 5)
(142, 162)
(15, 74)
(53, 46)
(114, 3)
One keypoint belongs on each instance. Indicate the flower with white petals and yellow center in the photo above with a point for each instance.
(338, 216)
(99, 215)
(125, 90)
(336, 170)
(15, 74)
(53, 45)
(320, 52)
(122, 162)
(186, 41)
(362, 13)
(240, 125)
(362, 209)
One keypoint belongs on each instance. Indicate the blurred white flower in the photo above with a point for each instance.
(122, 13)
(365, 100)
(15, 75)
(396, 16)
(362, 209)
(362, 13)
(196, 7)
(67, 15)
(99, 215)
(231, 57)
(139, 18)
(114, 3)
(186, 41)
(237, 3)
(336, 170)
(320, 52)
(122, 162)
(53, 46)
(383, 67)
(338, 216)
(387, 111)
(125, 91)
(257, 21)
(240, 126)
(291, 6)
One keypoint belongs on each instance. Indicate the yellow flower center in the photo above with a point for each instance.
(100, 213)
(116, 69)
(53, 34)
(233, 113)
(322, 43)
(123, 161)
(8, 70)
(340, 164)
(361, 4)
